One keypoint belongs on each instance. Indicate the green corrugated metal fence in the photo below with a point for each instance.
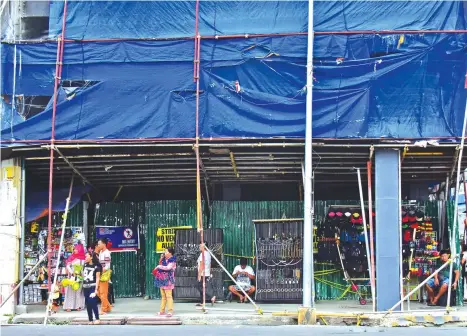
(161, 214)
(128, 267)
(236, 219)
(133, 276)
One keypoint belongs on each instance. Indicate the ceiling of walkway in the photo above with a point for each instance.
(248, 161)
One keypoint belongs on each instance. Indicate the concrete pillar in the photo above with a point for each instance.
(388, 233)
(10, 230)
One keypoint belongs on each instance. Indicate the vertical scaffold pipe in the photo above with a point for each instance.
(372, 237)
(199, 210)
(58, 72)
(308, 281)
(456, 206)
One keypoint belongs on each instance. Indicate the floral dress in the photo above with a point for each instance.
(74, 299)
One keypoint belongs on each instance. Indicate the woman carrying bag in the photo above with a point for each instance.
(164, 278)
(74, 297)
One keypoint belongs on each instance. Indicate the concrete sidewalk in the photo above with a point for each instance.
(245, 314)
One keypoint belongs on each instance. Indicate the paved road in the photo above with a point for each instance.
(36, 330)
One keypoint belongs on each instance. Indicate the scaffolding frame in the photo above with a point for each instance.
(62, 41)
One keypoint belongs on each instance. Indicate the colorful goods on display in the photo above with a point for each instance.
(341, 242)
(345, 225)
(420, 243)
(35, 245)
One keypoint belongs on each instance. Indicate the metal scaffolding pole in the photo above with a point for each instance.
(58, 74)
(372, 237)
(60, 247)
(199, 210)
(365, 231)
(308, 281)
(456, 207)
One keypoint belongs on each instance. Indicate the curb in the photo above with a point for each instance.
(192, 319)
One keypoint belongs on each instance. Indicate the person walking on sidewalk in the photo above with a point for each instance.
(204, 268)
(164, 278)
(91, 282)
(104, 259)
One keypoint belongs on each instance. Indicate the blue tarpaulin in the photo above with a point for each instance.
(37, 203)
(366, 85)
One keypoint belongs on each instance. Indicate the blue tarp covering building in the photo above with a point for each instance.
(396, 85)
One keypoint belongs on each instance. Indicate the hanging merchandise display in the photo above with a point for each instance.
(279, 250)
(187, 251)
(349, 249)
(420, 250)
(341, 243)
(35, 245)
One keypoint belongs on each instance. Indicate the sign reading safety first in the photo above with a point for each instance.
(165, 237)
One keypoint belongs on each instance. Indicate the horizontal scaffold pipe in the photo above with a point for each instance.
(247, 35)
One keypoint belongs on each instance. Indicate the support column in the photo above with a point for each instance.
(10, 230)
(388, 232)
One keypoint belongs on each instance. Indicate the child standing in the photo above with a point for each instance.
(91, 275)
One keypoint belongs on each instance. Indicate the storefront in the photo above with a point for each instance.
(35, 245)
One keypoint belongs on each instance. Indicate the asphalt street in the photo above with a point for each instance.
(38, 330)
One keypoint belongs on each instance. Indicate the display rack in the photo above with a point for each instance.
(35, 243)
(187, 252)
(279, 267)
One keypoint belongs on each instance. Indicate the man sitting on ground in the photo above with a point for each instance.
(440, 281)
(243, 274)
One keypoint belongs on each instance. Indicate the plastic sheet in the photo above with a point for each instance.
(366, 86)
(159, 19)
(37, 202)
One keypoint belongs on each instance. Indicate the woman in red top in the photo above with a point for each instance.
(165, 280)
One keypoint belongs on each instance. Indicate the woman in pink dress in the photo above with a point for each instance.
(74, 299)
(165, 280)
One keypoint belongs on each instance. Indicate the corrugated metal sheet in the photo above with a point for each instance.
(133, 272)
(75, 215)
(128, 267)
(161, 214)
(236, 219)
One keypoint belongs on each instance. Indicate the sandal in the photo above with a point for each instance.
(169, 315)
(161, 314)
(97, 322)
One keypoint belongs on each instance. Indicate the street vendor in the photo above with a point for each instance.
(441, 280)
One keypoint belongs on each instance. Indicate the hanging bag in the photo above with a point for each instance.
(105, 276)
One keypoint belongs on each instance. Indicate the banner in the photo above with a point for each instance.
(120, 237)
(165, 237)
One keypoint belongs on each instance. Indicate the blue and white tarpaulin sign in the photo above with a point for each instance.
(120, 238)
